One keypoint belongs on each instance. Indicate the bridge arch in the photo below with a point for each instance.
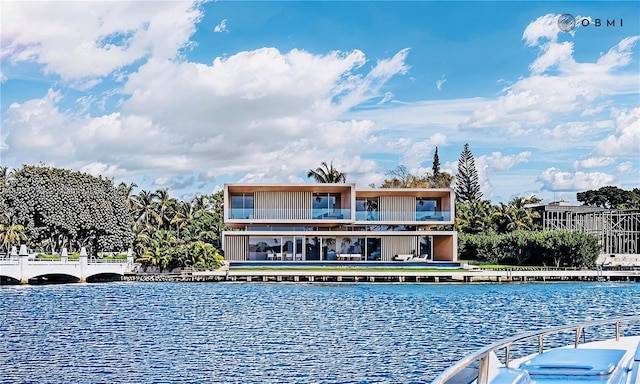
(104, 277)
(9, 280)
(53, 278)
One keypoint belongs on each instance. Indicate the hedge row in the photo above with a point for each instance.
(548, 248)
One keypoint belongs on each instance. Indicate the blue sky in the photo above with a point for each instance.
(189, 96)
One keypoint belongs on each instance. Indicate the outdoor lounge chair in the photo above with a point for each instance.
(405, 257)
(422, 257)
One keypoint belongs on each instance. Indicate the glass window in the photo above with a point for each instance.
(367, 209)
(329, 248)
(326, 205)
(426, 247)
(264, 248)
(426, 208)
(241, 206)
(312, 248)
(373, 249)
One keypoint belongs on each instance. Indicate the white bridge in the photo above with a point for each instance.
(22, 268)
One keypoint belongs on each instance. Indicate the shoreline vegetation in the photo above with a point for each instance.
(46, 208)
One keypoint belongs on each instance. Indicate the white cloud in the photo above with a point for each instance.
(102, 169)
(187, 117)
(388, 96)
(488, 166)
(578, 131)
(626, 141)
(544, 28)
(624, 168)
(553, 179)
(222, 27)
(594, 162)
(534, 100)
(498, 162)
(93, 39)
(440, 83)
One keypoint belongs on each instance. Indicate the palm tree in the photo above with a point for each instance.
(126, 192)
(201, 203)
(144, 210)
(182, 216)
(10, 231)
(515, 215)
(158, 249)
(475, 217)
(327, 174)
(165, 207)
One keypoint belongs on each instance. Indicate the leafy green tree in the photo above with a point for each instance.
(327, 174)
(467, 184)
(611, 197)
(61, 206)
(402, 178)
(556, 248)
(517, 245)
(570, 248)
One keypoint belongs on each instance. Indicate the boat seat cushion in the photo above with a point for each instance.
(574, 362)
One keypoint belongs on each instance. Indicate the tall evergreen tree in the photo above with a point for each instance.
(467, 184)
(436, 164)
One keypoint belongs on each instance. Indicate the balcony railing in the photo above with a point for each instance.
(338, 214)
(415, 216)
(288, 214)
(331, 214)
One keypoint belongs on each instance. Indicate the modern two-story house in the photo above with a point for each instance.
(337, 222)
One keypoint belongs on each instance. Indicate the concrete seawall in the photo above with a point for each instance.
(401, 276)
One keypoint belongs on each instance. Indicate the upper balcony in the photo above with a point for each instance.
(405, 206)
(255, 214)
(289, 204)
(394, 216)
(335, 204)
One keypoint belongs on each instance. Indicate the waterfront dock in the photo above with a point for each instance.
(396, 276)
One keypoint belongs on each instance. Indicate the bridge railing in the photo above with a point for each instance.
(107, 261)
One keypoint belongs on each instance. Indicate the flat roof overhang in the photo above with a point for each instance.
(327, 188)
(416, 192)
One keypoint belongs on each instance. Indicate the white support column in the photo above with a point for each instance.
(64, 256)
(24, 260)
(84, 262)
(129, 260)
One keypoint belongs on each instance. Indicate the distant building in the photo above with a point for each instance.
(618, 230)
(327, 222)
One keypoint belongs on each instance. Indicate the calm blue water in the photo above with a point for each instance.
(275, 333)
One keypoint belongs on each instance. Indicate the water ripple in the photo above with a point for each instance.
(275, 333)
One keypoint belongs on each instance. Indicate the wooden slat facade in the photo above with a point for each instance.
(236, 248)
(397, 208)
(285, 205)
(397, 245)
